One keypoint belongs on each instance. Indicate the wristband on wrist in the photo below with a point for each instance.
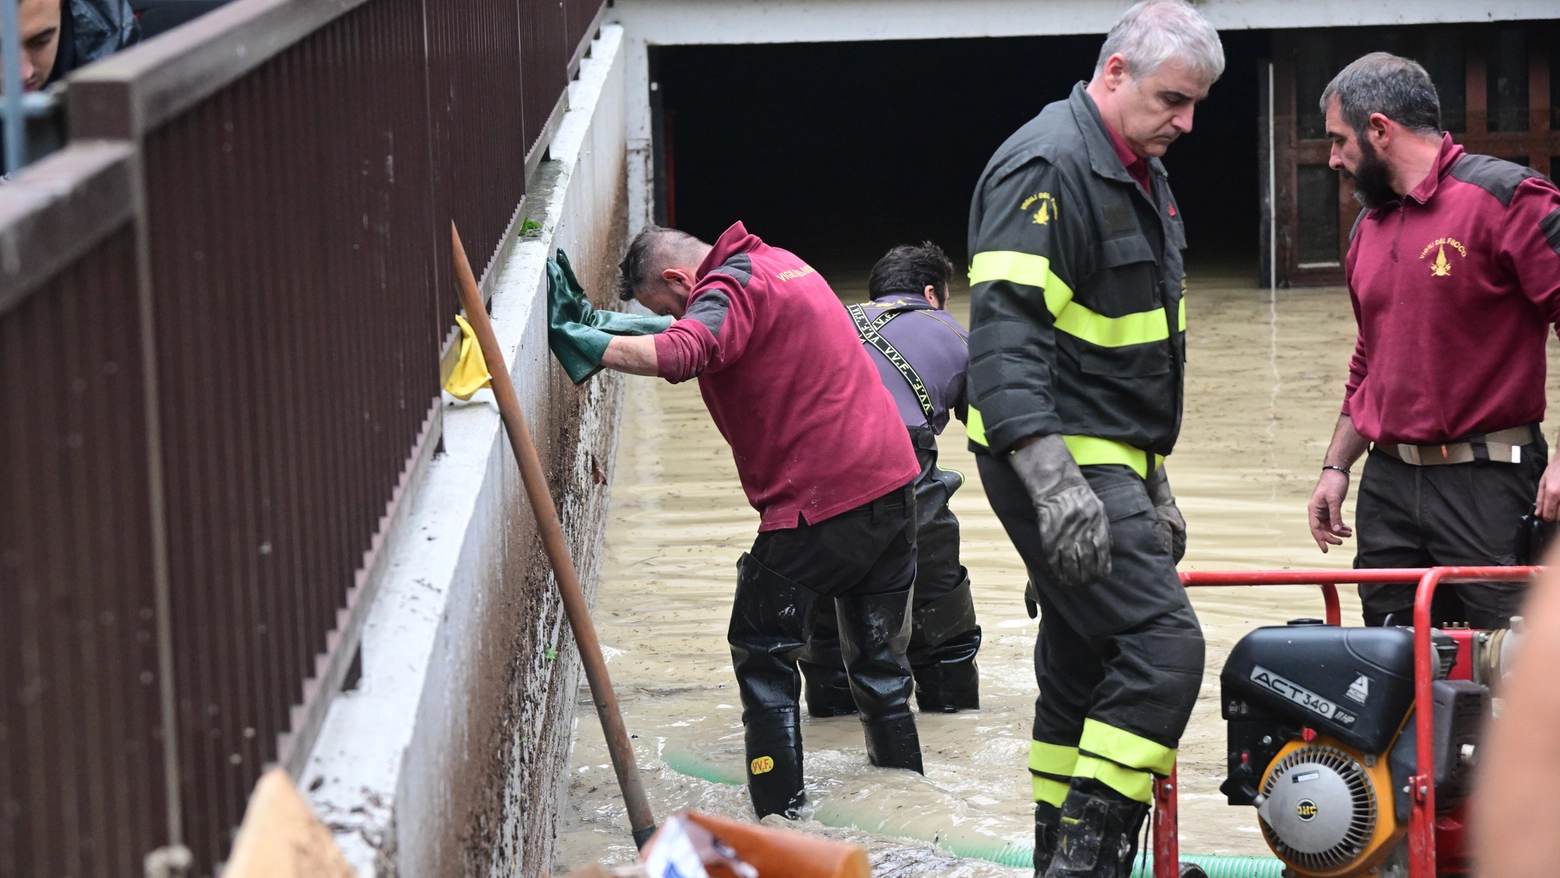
(1342, 469)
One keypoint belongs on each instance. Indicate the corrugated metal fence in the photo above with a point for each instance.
(221, 316)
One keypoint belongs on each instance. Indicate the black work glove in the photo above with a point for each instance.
(1172, 527)
(1074, 533)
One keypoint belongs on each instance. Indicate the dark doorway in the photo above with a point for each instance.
(840, 150)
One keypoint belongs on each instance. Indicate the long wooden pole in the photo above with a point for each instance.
(618, 743)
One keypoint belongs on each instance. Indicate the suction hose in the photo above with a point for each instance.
(957, 840)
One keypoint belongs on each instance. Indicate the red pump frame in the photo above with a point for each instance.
(1421, 826)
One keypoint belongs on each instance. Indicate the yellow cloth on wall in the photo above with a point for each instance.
(471, 371)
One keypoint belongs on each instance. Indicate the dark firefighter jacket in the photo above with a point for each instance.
(1077, 324)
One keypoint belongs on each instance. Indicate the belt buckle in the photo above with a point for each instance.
(1410, 454)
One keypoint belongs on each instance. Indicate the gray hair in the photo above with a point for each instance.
(1155, 31)
(1398, 88)
(652, 251)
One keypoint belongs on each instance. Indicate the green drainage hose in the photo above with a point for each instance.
(1221, 867)
(973, 846)
(1023, 857)
(687, 763)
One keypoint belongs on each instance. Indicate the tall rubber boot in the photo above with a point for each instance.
(1048, 833)
(825, 684)
(943, 642)
(874, 631)
(774, 762)
(951, 682)
(1099, 833)
(768, 620)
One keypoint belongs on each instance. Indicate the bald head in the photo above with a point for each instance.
(660, 269)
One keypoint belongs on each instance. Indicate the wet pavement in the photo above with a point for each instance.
(1264, 380)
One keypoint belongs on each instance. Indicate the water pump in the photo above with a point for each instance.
(1321, 740)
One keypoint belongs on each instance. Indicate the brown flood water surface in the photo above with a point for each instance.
(1264, 380)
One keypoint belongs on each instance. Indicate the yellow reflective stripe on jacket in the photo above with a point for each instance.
(1052, 758)
(1086, 450)
(1143, 327)
(1113, 332)
(1134, 784)
(1126, 748)
(1022, 268)
(1072, 318)
(1089, 451)
(1052, 792)
(975, 427)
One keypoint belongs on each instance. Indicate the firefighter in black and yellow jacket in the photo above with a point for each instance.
(1077, 346)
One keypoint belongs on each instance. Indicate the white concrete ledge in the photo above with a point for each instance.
(687, 22)
(433, 765)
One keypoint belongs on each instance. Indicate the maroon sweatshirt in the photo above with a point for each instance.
(788, 383)
(1454, 288)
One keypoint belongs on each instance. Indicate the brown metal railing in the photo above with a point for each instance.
(289, 410)
(82, 786)
(474, 62)
(581, 18)
(544, 61)
(221, 315)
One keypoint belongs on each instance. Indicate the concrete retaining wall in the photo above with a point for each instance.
(449, 756)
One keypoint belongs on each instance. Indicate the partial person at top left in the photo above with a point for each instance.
(59, 36)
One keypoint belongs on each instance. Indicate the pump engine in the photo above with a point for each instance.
(1321, 739)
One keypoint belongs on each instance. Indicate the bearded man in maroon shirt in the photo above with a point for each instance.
(824, 458)
(1454, 271)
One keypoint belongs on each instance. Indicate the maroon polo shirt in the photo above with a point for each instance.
(1454, 288)
(787, 381)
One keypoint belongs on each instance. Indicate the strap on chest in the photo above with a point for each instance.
(868, 328)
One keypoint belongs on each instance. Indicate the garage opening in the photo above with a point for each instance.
(838, 151)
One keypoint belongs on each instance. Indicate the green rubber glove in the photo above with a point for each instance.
(578, 333)
(621, 323)
(566, 299)
(579, 349)
(615, 322)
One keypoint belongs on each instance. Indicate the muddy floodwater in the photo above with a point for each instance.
(1264, 380)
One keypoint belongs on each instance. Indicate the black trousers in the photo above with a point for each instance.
(938, 570)
(1464, 514)
(870, 549)
(1118, 662)
(863, 561)
(938, 573)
